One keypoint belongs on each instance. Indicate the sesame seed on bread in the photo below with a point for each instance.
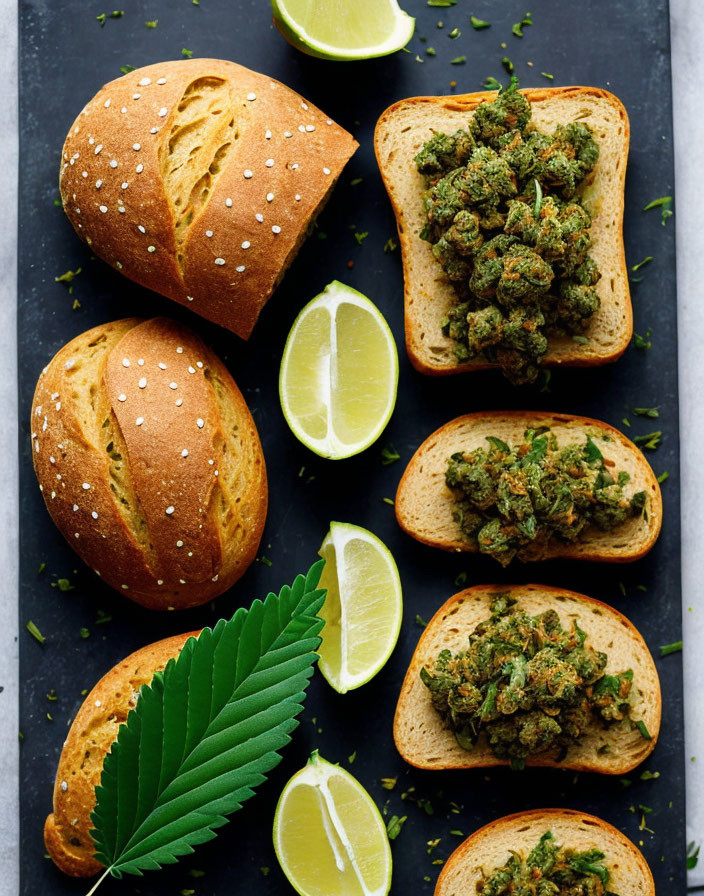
(401, 132)
(492, 846)
(199, 179)
(425, 505)
(422, 739)
(149, 461)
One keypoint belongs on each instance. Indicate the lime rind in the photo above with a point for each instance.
(297, 36)
(331, 446)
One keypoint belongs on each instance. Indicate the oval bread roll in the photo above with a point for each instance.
(428, 295)
(423, 740)
(149, 462)
(67, 829)
(199, 179)
(491, 847)
(425, 505)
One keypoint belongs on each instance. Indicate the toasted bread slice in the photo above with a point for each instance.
(425, 742)
(491, 847)
(425, 505)
(428, 295)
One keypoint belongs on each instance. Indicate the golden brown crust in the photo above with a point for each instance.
(166, 169)
(424, 742)
(611, 329)
(424, 504)
(67, 829)
(149, 461)
(490, 847)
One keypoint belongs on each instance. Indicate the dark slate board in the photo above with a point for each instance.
(65, 58)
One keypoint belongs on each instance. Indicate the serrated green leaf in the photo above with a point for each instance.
(206, 731)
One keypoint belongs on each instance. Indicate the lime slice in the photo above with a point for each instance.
(363, 608)
(339, 373)
(329, 837)
(343, 29)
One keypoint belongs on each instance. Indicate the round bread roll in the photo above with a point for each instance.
(200, 179)
(149, 462)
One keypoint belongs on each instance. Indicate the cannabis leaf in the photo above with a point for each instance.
(206, 731)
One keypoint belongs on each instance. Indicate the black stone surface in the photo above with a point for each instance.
(65, 57)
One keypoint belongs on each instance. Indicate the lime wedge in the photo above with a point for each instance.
(329, 837)
(343, 29)
(339, 373)
(363, 607)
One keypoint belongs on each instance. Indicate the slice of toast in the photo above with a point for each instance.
(428, 295)
(425, 505)
(425, 742)
(492, 846)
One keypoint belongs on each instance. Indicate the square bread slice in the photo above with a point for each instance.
(401, 132)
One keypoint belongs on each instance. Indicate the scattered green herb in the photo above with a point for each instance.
(461, 579)
(395, 823)
(455, 33)
(492, 84)
(389, 455)
(692, 855)
(152, 24)
(430, 52)
(64, 585)
(442, 4)
(458, 60)
(667, 649)
(85, 633)
(388, 501)
(507, 64)
(517, 29)
(34, 632)
(548, 76)
(663, 476)
(351, 758)
(126, 69)
(68, 277)
(644, 733)
(650, 442)
(643, 342)
(361, 237)
(388, 783)
(646, 412)
(420, 621)
(42, 567)
(356, 181)
(479, 24)
(649, 776)
(187, 53)
(390, 245)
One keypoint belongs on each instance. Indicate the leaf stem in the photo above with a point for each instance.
(99, 881)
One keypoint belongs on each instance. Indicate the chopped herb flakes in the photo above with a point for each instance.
(644, 733)
(388, 501)
(492, 84)
(389, 455)
(507, 64)
(646, 412)
(548, 76)
(187, 53)
(479, 24)
(442, 4)
(152, 24)
(664, 203)
(394, 825)
(663, 476)
(650, 442)
(458, 60)
(667, 649)
(692, 855)
(34, 632)
(390, 245)
(430, 52)
(126, 69)
(361, 237)
(388, 783)
(85, 633)
(517, 29)
(420, 621)
(455, 33)
(643, 342)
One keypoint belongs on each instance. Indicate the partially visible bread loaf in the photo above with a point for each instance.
(149, 461)
(491, 847)
(67, 829)
(425, 505)
(401, 132)
(423, 740)
(199, 179)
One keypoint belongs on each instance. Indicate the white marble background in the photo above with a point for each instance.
(687, 23)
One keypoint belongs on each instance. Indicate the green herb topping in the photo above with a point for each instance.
(508, 227)
(512, 500)
(549, 870)
(526, 684)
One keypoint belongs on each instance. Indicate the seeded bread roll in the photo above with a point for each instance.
(400, 134)
(67, 829)
(199, 179)
(424, 741)
(149, 462)
(425, 505)
(493, 845)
